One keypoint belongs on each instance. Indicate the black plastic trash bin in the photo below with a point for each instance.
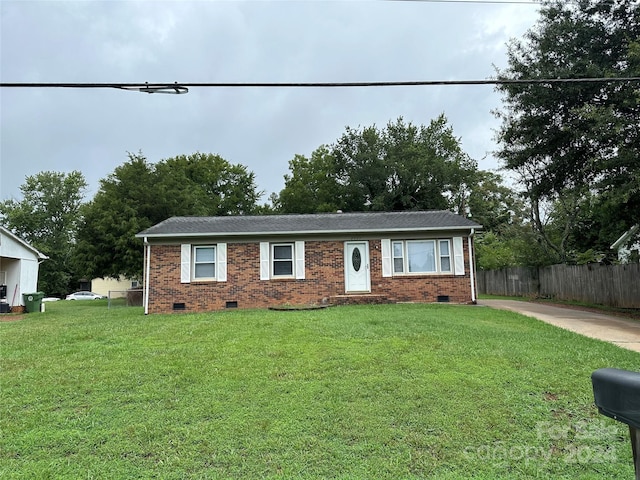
(33, 301)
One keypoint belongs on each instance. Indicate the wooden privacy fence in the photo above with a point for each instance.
(611, 285)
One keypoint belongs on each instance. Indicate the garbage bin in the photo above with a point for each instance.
(33, 301)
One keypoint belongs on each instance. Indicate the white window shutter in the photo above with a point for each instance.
(264, 260)
(458, 256)
(185, 263)
(299, 249)
(387, 261)
(221, 262)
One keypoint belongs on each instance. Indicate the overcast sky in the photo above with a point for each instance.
(239, 41)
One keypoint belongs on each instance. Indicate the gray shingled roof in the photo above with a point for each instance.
(309, 224)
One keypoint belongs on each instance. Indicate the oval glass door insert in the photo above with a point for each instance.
(356, 259)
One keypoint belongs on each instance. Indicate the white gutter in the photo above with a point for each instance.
(147, 264)
(471, 265)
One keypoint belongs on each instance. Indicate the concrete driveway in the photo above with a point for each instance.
(619, 331)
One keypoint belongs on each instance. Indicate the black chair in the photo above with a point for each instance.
(617, 395)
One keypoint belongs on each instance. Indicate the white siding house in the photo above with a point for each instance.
(625, 245)
(19, 264)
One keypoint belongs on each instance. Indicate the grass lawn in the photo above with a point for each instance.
(388, 391)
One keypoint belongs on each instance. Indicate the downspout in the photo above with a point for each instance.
(147, 261)
(471, 267)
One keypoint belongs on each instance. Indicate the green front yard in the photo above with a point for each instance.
(389, 391)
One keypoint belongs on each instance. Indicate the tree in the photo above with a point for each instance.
(127, 202)
(571, 141)
(47, 217)
(402, 167)
(492, 204)
(138, 195)
(206, 184)
(312, 185)
(493, 252)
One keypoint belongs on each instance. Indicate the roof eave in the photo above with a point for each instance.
(24, 243)
(624, 237)
(305, 232)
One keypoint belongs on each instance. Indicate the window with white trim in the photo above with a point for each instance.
(444, 250)
(204, 262)
(282, 260)
(421, 256)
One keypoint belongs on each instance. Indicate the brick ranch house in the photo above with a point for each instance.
(200, 264)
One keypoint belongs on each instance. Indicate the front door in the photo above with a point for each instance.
(356, 267)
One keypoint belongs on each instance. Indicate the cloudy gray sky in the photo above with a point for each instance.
(239, 41)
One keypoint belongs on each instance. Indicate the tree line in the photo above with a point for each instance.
(574, 149)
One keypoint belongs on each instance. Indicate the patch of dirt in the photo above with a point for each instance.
(297, 307)
(7, 317)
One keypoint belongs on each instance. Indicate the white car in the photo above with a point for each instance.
(84, 296)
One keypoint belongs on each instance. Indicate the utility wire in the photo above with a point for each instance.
(184, 87)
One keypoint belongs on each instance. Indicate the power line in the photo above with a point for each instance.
(184, 87)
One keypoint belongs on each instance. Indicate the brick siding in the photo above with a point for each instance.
(324, 278)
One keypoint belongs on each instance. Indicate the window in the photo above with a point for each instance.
(204, 262)
(421, 256)
(282, 256)
(282, 260)
(445, 256)
(398, 257)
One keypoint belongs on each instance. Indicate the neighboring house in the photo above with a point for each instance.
(117, 286)
(209, 263)
(626, 246)
(19, 265)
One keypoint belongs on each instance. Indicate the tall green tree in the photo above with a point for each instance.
(493, 204)
(139, 194)
(401, 167)
(312, 185)
(47, 217)
(570, 141)
(206, 184)
(127, 202)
